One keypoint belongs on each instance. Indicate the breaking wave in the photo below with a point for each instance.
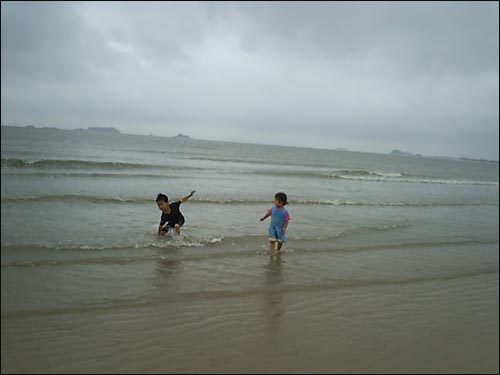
(149, 200)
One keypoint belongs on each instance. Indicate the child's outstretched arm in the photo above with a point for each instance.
(267, 214)
(188, 196)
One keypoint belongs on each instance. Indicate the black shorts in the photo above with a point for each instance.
(172, 225)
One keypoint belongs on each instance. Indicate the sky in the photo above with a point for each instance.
(421, 77)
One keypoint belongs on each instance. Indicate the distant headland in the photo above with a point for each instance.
(398, 152)
(96, 129)
(403, 153)
(93, 129)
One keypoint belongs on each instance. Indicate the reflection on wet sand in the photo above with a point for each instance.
(273, 298)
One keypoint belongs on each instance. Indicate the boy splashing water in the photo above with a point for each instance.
(171, 217)
(279, 222)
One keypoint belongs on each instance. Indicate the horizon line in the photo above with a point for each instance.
(338, 149)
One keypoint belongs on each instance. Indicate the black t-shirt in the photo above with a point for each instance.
(174, 217)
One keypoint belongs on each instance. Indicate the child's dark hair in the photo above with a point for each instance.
(281, 197)
(161, 197)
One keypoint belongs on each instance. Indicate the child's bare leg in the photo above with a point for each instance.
(279, 246)
(271, 247)
(177, 229)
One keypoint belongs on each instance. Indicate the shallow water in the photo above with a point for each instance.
(391, 263)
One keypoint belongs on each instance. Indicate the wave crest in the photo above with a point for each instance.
(149, 200)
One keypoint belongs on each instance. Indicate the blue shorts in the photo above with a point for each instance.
(276, 233)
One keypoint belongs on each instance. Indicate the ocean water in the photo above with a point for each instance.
(391, 262)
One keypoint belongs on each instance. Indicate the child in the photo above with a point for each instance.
(279, 222)
(171, 217)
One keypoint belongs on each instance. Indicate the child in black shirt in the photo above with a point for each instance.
(171, 217)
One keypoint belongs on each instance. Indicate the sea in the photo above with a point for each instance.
(391, 263)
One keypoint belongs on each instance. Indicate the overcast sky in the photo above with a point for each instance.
(420, 77)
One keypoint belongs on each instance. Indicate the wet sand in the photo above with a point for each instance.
(445, 323)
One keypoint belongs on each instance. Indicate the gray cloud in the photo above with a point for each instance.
(367, 76)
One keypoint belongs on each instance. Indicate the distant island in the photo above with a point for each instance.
(464, 159)
(95, 129)
(402, 153)
(182, 136)
(341, 149)
(398, 152)
(34, 127)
